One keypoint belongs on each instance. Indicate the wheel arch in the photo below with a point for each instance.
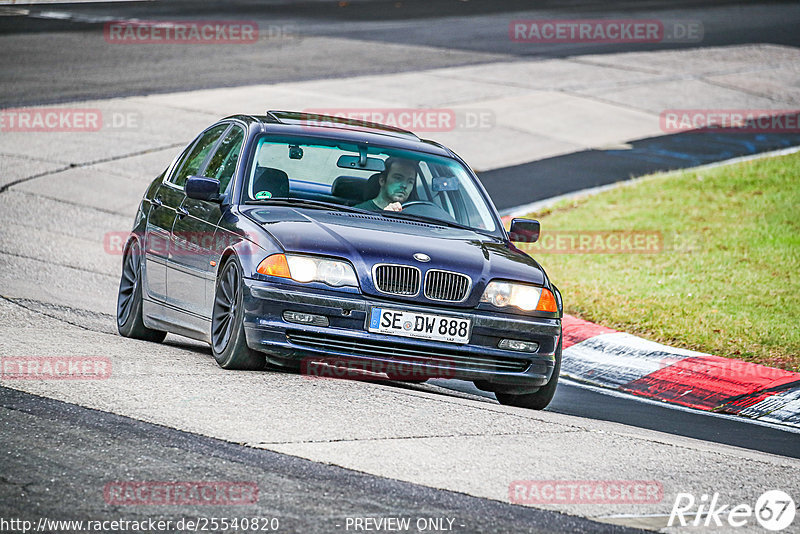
(246, 252)
(223, 259)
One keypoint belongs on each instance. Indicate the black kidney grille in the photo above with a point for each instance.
(397, 279)
(446, 286)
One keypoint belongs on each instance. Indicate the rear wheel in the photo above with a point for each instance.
(540, 399)
(228, 342)
(129, 299)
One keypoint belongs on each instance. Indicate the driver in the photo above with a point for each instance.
(396, 181)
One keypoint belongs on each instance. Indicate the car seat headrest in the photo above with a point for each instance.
(269, 182)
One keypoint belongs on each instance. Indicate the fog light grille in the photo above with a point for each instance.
(518, 345)
(305, 318)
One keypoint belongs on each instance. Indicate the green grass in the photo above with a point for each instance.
(727, 280)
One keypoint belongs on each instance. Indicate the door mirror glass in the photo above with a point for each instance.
(524, 231)
(202, 188)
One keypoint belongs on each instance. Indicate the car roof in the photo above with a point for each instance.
(331, 127)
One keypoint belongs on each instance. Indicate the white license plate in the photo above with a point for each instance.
(419, 325)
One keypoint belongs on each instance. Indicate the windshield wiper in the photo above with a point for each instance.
(316, 204)
(424, 218)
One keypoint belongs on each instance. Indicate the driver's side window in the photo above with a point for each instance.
(195, 158)
(222, 164)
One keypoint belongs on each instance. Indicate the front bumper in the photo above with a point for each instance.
(347, 336)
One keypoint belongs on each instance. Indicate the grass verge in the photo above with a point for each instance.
(723, 278)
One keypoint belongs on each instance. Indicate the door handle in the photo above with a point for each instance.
(182, 212)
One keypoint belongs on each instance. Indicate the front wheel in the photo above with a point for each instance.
(129, 299)
(540, 399)
(228, 342)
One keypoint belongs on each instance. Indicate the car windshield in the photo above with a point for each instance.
(356, 176)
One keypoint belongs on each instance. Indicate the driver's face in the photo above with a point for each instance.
(399, 182)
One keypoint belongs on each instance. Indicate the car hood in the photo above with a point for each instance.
(366, 240)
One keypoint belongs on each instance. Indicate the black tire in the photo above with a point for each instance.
(228, 342)
(540, 399)
(129, 299)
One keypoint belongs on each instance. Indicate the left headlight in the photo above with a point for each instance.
(309, 269)
(523, 296)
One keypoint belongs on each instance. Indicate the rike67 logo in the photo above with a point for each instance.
(774, 510)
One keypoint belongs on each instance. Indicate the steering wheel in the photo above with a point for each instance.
(428, 209)
(420, 203)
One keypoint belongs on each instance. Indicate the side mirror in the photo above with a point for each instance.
(202, 188)
(524, 230)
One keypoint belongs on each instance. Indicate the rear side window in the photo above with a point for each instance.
(197, 155)
(223, 163)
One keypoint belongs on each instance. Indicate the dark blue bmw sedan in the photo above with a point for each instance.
(318, 242)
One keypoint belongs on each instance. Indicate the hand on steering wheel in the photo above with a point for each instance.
(394, 206)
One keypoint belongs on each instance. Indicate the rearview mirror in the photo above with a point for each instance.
(355, 162)
(202, 188)
(445, 183)
(524, 230)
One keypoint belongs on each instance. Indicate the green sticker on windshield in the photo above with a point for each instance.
(261, 195)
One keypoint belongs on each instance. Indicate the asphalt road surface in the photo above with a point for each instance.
(560, 175)
(80, 451)
(57, 53)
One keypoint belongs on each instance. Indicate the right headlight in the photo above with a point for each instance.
(305, 269)
(523, 296)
